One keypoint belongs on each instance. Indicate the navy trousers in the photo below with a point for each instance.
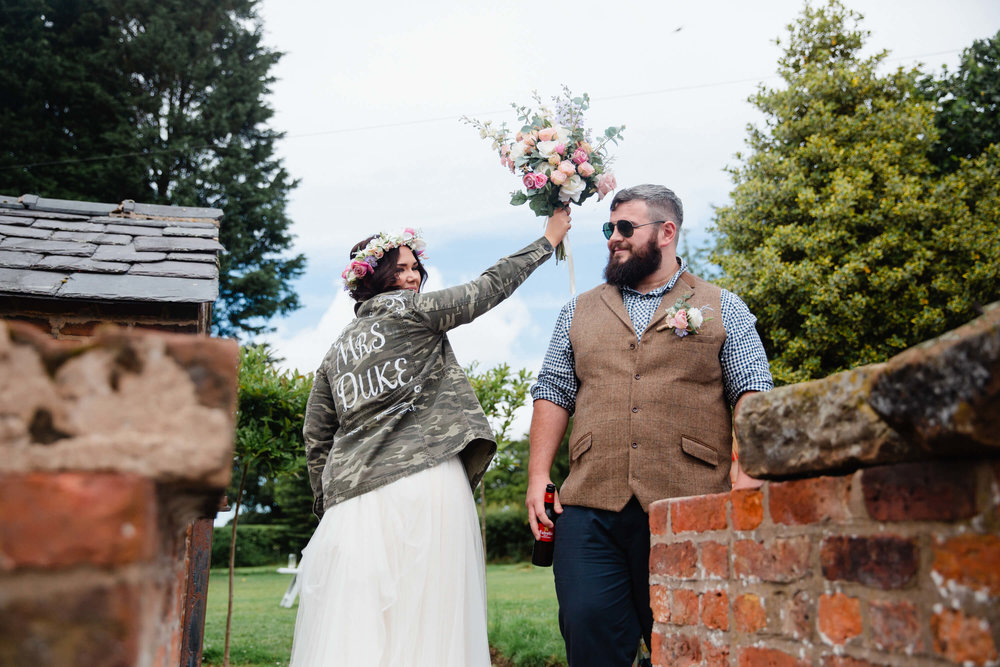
(601, 571)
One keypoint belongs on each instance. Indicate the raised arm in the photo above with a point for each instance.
(448, 308)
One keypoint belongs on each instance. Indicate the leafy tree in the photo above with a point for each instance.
(841, 236)
(161, 101)
(968, 114)
(500, 393)
(269, 418)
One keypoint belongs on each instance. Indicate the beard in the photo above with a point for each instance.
(629, 273)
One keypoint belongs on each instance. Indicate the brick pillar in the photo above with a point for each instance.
(108, 451)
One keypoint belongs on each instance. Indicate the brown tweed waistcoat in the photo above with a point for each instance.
(651, 417)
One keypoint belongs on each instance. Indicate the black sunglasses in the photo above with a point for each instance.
(625, 227)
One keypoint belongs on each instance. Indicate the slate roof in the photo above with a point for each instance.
(121, 252)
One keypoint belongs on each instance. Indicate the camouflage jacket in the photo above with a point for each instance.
(390, 399)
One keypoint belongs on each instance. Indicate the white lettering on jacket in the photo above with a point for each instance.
(366, 383)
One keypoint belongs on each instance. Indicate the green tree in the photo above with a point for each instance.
(501, 393)
(270, 412)
(158, 101)
(841, 236)
(968, 104)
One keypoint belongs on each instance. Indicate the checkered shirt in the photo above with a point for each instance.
(742, 358)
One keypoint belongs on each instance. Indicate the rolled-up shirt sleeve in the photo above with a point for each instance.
(743, 359)
(557, 381)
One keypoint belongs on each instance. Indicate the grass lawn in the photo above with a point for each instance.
(521, 615)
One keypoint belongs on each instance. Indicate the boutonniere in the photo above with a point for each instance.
(685, 319)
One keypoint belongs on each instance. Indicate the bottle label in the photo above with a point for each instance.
(550, 497)
(545, 534)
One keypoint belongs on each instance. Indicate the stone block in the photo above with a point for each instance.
(944, 394)
(823, 426)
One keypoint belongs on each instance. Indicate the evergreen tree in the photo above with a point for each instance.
(157, 101)
(968, 116)
(841, 236)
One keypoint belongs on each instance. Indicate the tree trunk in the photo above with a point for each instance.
(232, 563)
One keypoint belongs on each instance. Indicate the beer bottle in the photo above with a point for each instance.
(541, 553)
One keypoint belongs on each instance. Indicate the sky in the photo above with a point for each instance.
(370, 96)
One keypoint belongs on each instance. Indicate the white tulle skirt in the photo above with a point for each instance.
(396, 577)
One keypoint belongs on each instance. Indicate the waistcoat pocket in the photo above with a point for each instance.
(581, 446)
(699, 450)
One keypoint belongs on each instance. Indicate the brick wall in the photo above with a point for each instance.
(892, 565)
(108, 451)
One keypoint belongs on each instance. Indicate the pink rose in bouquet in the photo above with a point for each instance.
(586, 169)
(567, 167)
(558, 177)
(580, 156)
(605, 183)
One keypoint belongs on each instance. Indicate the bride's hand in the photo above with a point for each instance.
(557, 226)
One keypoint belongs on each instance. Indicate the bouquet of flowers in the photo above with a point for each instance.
(555, 156)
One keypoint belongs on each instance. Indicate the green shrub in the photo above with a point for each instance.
(256, 544)
(508, 536)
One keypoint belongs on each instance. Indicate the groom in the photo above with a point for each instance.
(652, 393)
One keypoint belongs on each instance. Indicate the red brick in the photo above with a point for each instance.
(678, 560)
(809, 500)
(781, 560)
(961, 638)
(659, 517)
(749, 614)
(797, 615)
(933, 491)
(659, 602)
(53, 520)
(715, 610)
(878, 561)
(768, 657)
(895, 626)
(90, 627)
(714, 560)
(699, 513)
(748, 509)
(674, 649)
(970, 560)
(839, 617)
(684, 607)
(847, 661)
(715, 656)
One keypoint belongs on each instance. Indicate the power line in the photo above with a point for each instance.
(425, 121)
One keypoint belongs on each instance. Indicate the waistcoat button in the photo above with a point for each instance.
(631, 346)
(636, 376)
(635, 445)
(634, 409)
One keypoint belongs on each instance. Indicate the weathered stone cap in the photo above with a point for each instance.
(155, 404)
(938, 399)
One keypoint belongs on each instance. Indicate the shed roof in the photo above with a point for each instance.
(119, 252)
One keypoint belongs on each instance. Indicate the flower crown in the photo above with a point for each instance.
(365, 260)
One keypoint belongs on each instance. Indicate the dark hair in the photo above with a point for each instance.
(383, 278)
(663, 204)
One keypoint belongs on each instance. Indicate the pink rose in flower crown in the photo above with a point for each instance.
(567, 167)
(586, 169)
(409, 231)
(580, 156)
(605, 183)
(558, 177)
(360, 269)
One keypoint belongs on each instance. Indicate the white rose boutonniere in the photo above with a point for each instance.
(685, 319)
